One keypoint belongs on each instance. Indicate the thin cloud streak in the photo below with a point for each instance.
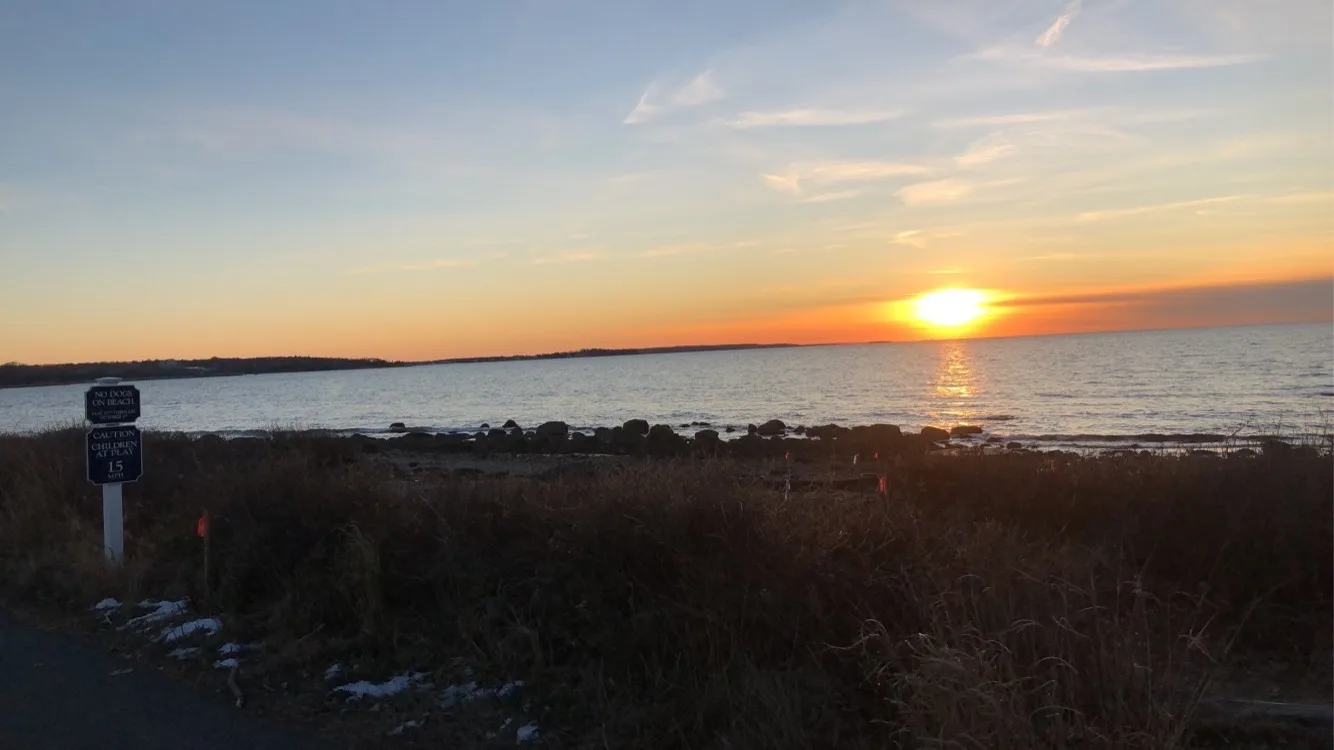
(1014, 118)
(1299, 198)
(698, 91)
(1053, 33)
(1121, 213)
(838, 195)
(837, 172)
(1132, 63)
(983, 152)
(810, 118)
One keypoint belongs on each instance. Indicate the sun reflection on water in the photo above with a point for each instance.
(957, 385)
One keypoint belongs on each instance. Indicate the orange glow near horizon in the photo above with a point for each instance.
(950, 308)
(411, 329)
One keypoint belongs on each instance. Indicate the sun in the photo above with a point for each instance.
(950, 308)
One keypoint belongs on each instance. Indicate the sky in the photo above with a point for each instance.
(419, 180)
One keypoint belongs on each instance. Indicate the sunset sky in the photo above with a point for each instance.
(416, 180)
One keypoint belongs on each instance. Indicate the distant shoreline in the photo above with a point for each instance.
(15, 375)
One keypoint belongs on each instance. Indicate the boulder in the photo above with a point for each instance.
(825, 432)
(517, 442)
(484, 426)
(553, 429)
(662, 441)
(398, 427)
(707, 436)
(935, 434)
(729, 429)
(799, 430)
(605, 435)
(510, 424)
(879, 433)
(752, 429)
(1014, 446)
(771, 428)
(629, 443)
(748, 446)
(636, 426)
(581, 443)
(965, 430)
(495, 432)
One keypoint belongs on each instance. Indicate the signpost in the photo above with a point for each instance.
(115, 454)
(111, 404)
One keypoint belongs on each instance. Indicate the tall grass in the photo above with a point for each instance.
(990, 601)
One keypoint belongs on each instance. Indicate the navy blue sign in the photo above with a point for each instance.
(111, 404)
(115, 454)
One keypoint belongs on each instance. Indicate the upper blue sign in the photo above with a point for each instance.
(112, 404)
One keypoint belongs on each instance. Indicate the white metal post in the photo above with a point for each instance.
(113, 510)
(113, 523)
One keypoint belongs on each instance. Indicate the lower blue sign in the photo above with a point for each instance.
(115, 454)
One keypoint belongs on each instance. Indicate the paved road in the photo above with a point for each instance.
(57, 693)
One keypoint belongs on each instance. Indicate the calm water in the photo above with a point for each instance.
(1254, 380)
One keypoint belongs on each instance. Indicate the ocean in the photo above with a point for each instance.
(1072, 389)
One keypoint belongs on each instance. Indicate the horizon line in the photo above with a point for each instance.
(630, 351)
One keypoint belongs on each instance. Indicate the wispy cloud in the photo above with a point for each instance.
(702, 89)
(935, 192)
(912, 238)
(922, 238)
(1053, 33)
(1119, 213)
(1130, 63)
(659, 98)
(1326, 196)
(984, 151)
(1140, 63)
(572, 256)
(787, 183)
(837, 195)
(435, 264)
(1014, 118)
(827, 173)
(806, 117)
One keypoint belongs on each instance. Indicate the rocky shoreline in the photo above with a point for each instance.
(771, 439)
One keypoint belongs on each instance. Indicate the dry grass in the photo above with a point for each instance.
(991, 602)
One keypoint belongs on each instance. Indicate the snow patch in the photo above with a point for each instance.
(401, 728)
(227, 649)
(162, 610)
(393, 686)
(184, 653)
(455, 695)
(333, 672)
(106, 605)
(172, 634)
(226, 664)
(527, 733)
